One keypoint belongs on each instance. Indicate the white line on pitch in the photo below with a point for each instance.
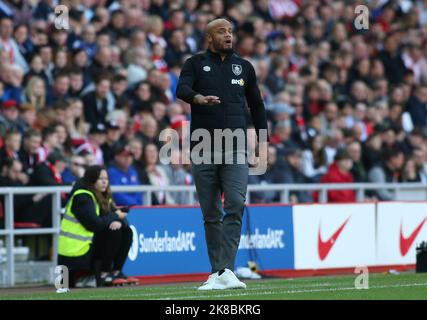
(294, 291)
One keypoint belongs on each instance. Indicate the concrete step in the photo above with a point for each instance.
(29, 272)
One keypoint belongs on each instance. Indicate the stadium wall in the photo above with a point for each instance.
(284, 240)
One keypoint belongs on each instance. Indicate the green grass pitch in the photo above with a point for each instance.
(381, 286)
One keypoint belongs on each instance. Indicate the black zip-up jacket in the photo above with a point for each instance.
(232, 80)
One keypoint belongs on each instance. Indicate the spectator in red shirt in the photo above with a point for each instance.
(339, 172)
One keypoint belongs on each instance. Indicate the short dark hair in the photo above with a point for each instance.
(43, 46)
(117, 11)
(48, 131)
(6, 18)
(12, 131)
(32, 133)
(119, 77)
(391, 153)
(61, 74)
(342, 154)
(101, 77)
(75, 70)
(60, 105)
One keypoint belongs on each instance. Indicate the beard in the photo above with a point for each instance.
(220, 49)
(228, 50)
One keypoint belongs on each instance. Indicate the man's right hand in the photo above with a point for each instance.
(206, 100)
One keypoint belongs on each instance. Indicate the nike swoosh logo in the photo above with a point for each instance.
(406, 242)
(324, 247)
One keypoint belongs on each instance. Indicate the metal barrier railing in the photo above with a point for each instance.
(284, 189)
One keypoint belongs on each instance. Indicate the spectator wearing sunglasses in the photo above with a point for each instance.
(74, 170)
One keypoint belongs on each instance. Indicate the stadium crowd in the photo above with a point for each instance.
(344, 105)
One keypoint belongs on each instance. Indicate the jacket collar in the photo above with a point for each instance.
(217, 55)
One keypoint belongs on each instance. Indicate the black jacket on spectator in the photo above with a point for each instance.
(95, 110)
(43, 176)
(418, 111)
(394, 67)
(370, 157)
(293, 176)
(29, 161)
(359, 172)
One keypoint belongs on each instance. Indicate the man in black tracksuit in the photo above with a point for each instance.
(217, 84)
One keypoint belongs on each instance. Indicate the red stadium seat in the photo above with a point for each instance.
(26, 225)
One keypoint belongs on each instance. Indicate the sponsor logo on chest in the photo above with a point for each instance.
(240, 82)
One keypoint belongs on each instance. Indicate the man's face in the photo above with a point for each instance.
(14, 142)
(124, 160)
(46, 55)
(62, 84)
(78, 166)
(177, 38)
(119, 87)
(416, 140)
(220, 37)
(422, 94)
(294, 160)
(331, 111)
(6, 28)
(136, 149)
(29, 117)
(398, 161)
(33, 143)
(52, 140)
(102, 88)
(104, 56)
(21, 34)
(271, 155)
(60, 166)
(113, 135)
(99, 138)
(11, 114)
(76, 81)
(355, 151)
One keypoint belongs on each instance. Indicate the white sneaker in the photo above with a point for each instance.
(208, 283)
(228, 280)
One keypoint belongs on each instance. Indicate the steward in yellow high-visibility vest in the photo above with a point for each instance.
(90, 214)
(74, 238)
